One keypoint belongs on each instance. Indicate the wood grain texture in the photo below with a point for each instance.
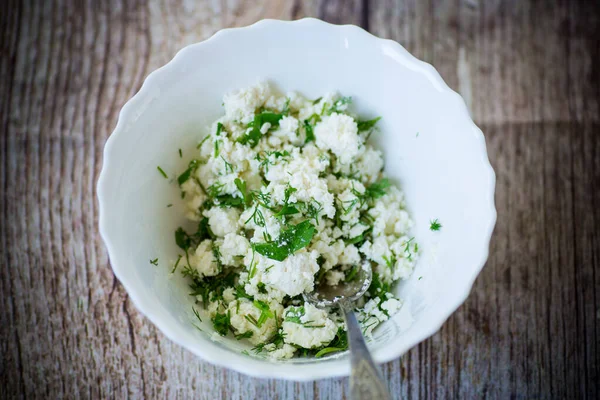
(528, 71)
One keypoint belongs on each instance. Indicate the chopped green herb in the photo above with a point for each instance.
(351, 274)
(169, 205)
(435, 225)
(357, 240)
(259, 347)
(289, 241)
(313, 209)
(241, 185)
(209, 288)
(180, 153)
(240, 293)
(176, 264)
(310, 134)
(420, 278)
(265, 312)
(258, 217)
(340, 105)
(286, 210)
(252, 320)
(245, 352)
(253, 137)
(228, 200)
(162, 172)
(202, 141)
(219, 129)
(222, 323)
(245, 335)
(185, 240)
(378, 288)
(217, 144)
(262, 288)
(192, 166)
(390, 261)
(215, 189)
(293, 314)
(196, 314)
(377, 189)
(154, 262)
(228, 166)
(252, 270)
(286, 107)
(217, 256)
(339, 343)
(366, 125)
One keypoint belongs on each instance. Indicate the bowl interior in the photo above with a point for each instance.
(431, 148)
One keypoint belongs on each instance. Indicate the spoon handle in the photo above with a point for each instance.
(365, 380)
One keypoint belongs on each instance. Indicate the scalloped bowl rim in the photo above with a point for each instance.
(260, 368)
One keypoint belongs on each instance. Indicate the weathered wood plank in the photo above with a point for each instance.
(528, 73)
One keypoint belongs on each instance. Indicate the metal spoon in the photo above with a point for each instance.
(365, 379)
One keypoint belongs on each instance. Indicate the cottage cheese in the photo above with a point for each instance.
(286, 193)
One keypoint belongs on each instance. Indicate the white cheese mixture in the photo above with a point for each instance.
(287, 193)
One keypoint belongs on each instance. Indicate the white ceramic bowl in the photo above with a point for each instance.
(431, 148)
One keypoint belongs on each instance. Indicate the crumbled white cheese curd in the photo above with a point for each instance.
(334, 277)
(243, 313)
(295, 275)
(286, 194)
(203, 259)
(222, 221)
(233, 248)
(242, 104)
(314, 328)
(286, 351)
(376, 311)
(338, 133)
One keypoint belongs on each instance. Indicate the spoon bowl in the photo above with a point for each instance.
(325, 295)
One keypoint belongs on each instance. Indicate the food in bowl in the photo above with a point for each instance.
(287, 193)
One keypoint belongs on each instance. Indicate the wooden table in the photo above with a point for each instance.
(529, 73)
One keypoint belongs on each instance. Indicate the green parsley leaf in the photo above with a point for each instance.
(154, 262)
(289, 241)
(286, 210)
(253, 137)
(162, 172)
(180, 153)
(366, 125)
(435, 225)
